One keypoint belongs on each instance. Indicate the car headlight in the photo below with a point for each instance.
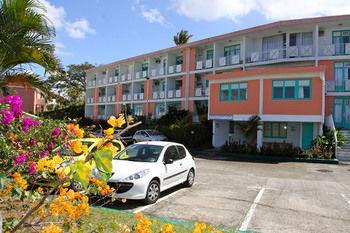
(137, 175)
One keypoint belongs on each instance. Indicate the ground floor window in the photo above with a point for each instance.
(138, 109)
(275, 129)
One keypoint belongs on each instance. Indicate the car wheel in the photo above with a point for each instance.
(153, 192)
(190, 178)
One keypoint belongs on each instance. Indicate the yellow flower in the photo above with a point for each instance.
(167, 228)
(112, 121)
(199, 228)
(40, 190)
(85, 149)
(51, 228)
(130, 119)
(109, 131)
(111, 147)
(77, 147)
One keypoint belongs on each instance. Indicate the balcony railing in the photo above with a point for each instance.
(89, 100)
(159, 95)
(338, 85)
(206, 64)
(91, 83)
(334, 49)
(138, 96)
(201, 91)
(175, 69)
(102, 81)
(229, 60)
(111, 98)
(102, 99)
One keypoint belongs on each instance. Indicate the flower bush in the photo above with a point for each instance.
(33, 169)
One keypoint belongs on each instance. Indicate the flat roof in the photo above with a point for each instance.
(228, 35)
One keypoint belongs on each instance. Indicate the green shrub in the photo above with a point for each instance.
(239, 148)
(278, 149)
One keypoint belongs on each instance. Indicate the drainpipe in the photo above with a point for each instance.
(187, 90)
(316, 44)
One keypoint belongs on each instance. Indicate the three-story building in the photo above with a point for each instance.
(293, 74)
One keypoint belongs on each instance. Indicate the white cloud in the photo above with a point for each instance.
(211, 10)
(152, 15)
(57, 15)
(60, 50)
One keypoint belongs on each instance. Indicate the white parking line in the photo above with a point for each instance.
(159, 200)
(345, 198)
(248, 217)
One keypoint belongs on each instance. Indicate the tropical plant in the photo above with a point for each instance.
(31, 170)
(25, 37)
(182, 37)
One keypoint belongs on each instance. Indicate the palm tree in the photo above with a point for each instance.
(182, 37)
(25, 37)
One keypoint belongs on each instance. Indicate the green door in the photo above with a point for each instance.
(308, 131)
(341, 113)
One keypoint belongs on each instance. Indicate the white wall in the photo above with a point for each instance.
(220, 132)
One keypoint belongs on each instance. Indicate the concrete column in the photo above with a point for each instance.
(287, 44)
(244, 50)
(259, 136)
(316, 44)
(187, 80)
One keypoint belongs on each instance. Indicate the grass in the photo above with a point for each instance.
(108, 220)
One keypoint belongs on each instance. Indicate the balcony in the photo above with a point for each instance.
(113, 79)
(111, 98)
(138, 96)
(206, 64)
(338, 86)
(334, 49)
(102, 99)
(175, 69)
(159, 95)
(102, 81)
(174, 94)
(229, 60)
(201, 91)
(89, 100)
(138, 75)
(91, 83)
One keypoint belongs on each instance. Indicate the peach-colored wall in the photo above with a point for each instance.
(294, 107)
(191, 85)
(95, 110)
(250, 106)
(329, 69)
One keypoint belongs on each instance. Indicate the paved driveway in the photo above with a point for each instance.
(262, 197)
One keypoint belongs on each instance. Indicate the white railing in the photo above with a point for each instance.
(198, 91)
(161, 71)
(116, 79)
(136, 96)
(123, 77)
(178, 68)
(111, 98)
(144, 74)
(209, 63)
(155, 95)
(90, 100)
(102, 99)
(171, 69)
(153, 72)
(178, 93)
(137, 75)
(334, 49)
(141, 96)
(162, 95)
(129, 97)
(206, 91)
(170, 94)
(129, 77)
(199, 65)
(273, 54)
(124, 97)
(229, 60)
(110, 79)
(338, 85)
(205, 64)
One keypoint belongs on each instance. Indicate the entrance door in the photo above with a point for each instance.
(342, 112)
(308, 131)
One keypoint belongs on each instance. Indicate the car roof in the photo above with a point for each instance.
(159, 143)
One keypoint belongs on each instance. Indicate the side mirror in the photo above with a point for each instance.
(168, 161)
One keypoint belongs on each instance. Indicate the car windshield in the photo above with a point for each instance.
(154, 132)
(140, 153)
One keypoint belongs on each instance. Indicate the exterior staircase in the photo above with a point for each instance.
(343, 153)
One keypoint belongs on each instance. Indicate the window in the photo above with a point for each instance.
(341, 75)
(232, 50)
(116, 72)
(275, 130)
(140, 153)
(138, 109)
(340, 38)
(291, 89)
(234, 91)
(210, 54)
(171, 153)
(144, 67)
(179, 60)
(182, 152)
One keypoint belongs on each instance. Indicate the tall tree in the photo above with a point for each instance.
(182, 37)
(70, 83)
(25, 37)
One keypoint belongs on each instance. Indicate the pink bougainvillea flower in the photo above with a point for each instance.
(27, 123)
(44, 154)
(21, 159)
(56, 132)
(7, 117)
(15, 103)
(32, 168)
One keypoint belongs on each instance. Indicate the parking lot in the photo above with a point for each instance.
(261, 197)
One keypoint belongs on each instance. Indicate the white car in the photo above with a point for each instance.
(143, 170)
(148, 135)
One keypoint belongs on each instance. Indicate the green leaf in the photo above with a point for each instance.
(81, 173)
(3, 180)
(103, 159)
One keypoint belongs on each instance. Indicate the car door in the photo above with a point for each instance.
(171, 169)
(184, 165)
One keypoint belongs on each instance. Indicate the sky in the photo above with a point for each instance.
(103, 31)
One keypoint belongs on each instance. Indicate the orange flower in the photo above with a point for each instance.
(17, 178)
(116, 122)
(109, 131)
(138, 216)
(111, 147)
(168, 228)
(51, 228)
(77, 147)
